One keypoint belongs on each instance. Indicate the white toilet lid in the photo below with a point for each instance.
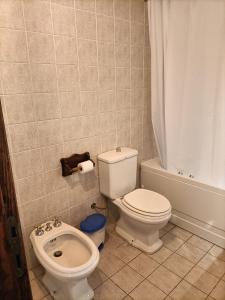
(147, 202)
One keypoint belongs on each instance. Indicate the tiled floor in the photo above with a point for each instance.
(185, 268)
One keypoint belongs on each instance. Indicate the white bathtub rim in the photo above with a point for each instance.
(155, 166)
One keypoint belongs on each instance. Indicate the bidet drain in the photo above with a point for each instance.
(57, 253)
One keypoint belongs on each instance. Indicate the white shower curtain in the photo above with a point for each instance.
(188, 86)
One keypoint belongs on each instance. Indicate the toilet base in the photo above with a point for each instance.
(69, 290)
(139, 244)
(142, 235)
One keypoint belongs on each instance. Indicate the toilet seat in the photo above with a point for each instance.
(147, 203)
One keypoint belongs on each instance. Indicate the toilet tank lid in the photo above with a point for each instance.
(113, 156)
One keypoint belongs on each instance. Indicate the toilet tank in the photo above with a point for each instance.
(117, 172)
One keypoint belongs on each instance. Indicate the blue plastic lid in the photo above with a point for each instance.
(93, 223)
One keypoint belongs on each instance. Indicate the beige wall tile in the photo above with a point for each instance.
(23, 136)
(51, 157)
(27, 163)
(104, 7)
(90, 126)
(34, 212)
(38, 16)
(67, 77)
(72, 128)
(88, 78)
(43, 78)
(86, 25)
(41, 48)
(19, 108)
(137, 77)
(15, 78)
(63, 20)
(107, 122)
(57, 202)
(137, 11)
(106, 101)
(122, 55)
(69, 3)
(122, 9)
(54, 181)
(85, 5)
(123, 99)
(30, 188)
(66, 50)
(108, 142)
(137, 34)
(106, 54)
(107, 78)
(13, 45)
(87, 51)
(78, 213)
(137, 56)
(122, 31)
(123, 78)
(49, 132)
(137, 97)
(89, 103)
(11, 14)
(46, 106)
(70, 103)
(105, 28)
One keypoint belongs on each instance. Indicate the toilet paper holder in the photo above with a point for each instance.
(70, 164)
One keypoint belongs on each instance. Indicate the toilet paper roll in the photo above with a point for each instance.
(85, 166)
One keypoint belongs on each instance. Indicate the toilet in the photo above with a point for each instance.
(142, 212)
(68, 257)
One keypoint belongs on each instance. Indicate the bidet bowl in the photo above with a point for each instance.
(79, 255)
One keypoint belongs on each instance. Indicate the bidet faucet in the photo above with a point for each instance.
(39, 230)
(56, 222)
(48, 226)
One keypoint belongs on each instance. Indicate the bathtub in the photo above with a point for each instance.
(197, 207)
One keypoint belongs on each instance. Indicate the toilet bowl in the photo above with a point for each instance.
(68, 257)
(142, 214)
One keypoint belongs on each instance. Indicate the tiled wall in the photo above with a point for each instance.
(74, 77)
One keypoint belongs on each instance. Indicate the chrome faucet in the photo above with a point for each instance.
(56, 222)
(48, 226)
(39, 230)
